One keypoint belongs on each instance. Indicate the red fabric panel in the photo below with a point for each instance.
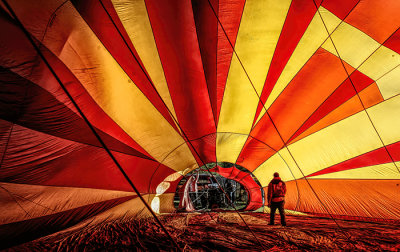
(99, 21)
(375, 157)
(254, 190)
(145, 174)
(206, 28)
(255, 198)
(5, 130)
(302, 93)
(254, 153)
(234, 173)
(378, 19)
(31, 106)
(341, 8)
(240, 176)
(394, 42)
(205, 146)
(263, 142)
(253, 205)
(342, 94)
(96, 116)
(297, 20)
(175, 34)
(229, 14)
(100, 172)
(37, 158)
(226, 172)
(22, 65)
(15, 233)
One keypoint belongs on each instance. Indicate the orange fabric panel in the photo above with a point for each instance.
(315, 82)
(378, 19)
(369, 96)
(260, 145)
(348, 197)
(254, 154)
(318, 79)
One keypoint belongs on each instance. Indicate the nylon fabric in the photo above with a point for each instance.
(308, 89)
(242, 98)
(134, 18)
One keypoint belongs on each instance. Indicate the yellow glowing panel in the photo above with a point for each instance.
(313, 38)
(353, 45)
(361, 51)
(339, 142)
(348, 138)
(382, 171)
(229, 146)
(389, 83)
(369, 96)
(344, 140)
(380, 62)
(280, 162)
(133, 15)
(259, 31)
(115, 93)
(386, 119)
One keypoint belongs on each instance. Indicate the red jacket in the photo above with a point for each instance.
(276, 190)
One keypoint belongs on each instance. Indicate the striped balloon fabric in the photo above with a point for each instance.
(105, 105)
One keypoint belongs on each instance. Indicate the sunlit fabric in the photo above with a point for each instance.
(306, 88)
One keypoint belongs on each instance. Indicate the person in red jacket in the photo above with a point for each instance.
(276, 198)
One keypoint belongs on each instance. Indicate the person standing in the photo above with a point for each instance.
(276, 198)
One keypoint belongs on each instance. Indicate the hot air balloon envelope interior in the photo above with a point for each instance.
(245, 125)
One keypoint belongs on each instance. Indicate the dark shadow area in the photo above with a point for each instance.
(224, 232)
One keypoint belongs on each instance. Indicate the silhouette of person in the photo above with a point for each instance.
(276, 198)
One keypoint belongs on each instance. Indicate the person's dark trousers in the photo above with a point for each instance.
(280, 206)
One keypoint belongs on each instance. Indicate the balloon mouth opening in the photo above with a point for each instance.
(216, 187)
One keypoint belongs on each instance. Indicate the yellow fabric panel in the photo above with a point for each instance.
(280, 162)
(389, 83)
(358, 50)
(229, 146)
(328, 45)
(339, 142)
(349, 138)
(133, 15)
(353, 45)
(313, 38)
(344, 140)
(382, 171)
(259, 31)
(369, 96)
(380, 62)
(114, 92)
(386, 119)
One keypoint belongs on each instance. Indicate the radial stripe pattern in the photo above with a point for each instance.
(309, 89)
